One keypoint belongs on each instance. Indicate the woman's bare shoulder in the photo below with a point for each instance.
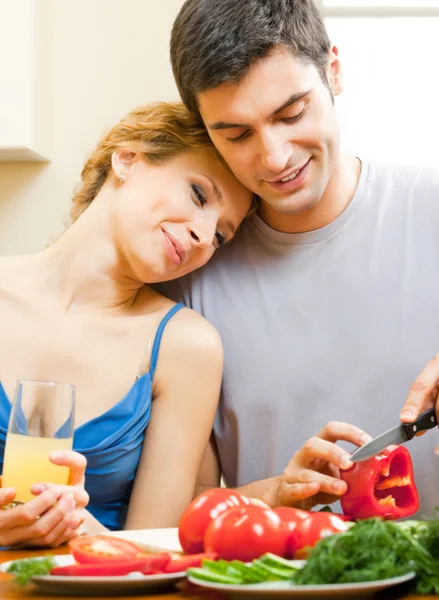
(186, 327)
(191, 326)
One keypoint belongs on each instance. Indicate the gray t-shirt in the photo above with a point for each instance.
(333, 324)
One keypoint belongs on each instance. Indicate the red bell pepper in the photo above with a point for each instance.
(101, 569)
(183, 562)
(382, 486)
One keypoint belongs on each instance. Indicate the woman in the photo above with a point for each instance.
(155, 203)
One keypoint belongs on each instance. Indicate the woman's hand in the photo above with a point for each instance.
(54, 516)
(45, 521)
(313, 474)
(76, 463)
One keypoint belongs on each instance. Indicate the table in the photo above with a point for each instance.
(11, 591)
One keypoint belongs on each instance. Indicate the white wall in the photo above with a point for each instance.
(108, 56)
(389, 109)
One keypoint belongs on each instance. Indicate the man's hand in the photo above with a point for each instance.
(423, 393)
(313, 474)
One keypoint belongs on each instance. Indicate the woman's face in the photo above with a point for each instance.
(169, 219)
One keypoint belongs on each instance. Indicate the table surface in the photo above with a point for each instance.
(9, 590)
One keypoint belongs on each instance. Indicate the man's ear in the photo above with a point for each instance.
(335, 74)
(121, 162)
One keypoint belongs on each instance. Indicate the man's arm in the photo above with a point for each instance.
(311, 477)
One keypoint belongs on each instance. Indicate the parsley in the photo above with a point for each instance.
(28, 567)
(376, 549)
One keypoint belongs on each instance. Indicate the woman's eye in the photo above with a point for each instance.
(199, 194)
(220, 238)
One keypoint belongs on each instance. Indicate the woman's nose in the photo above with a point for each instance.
(202, 233)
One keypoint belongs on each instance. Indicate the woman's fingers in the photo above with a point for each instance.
(72, 530)
(36, 519)
(80, 495)
(53, 526)
(22, 516)
(6, 495)
(75, 461)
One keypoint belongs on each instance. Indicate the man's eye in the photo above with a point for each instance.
(294, 118)
(239, 138)
(220, 238)
(199, 194)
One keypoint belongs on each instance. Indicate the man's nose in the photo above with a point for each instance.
(273, 153)
(202, 233)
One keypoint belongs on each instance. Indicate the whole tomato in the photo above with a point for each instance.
(291, 517)
(246, 533)
(317, 526)
(198, 515)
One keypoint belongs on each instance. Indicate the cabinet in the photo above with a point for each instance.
(26, 90)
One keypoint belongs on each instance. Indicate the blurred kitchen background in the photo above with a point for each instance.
(71, 68)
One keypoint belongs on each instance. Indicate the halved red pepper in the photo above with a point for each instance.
(102, 569)
(182, 562)
(382, 486)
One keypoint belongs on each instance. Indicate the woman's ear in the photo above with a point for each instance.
(335, 75)
(121, 162)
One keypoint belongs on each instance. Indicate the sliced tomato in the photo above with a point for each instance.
(103, 549)
(183, 562)
(97, 570)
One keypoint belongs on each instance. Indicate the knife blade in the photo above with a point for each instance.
(397, 435)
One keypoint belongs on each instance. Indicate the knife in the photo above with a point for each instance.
(398, 435)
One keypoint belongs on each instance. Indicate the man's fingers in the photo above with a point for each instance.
(74, 461)
(292, 493)
(317, 448)
(326, 483)
(419, 397)
(336, 431)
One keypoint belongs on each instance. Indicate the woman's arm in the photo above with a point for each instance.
(186, 391)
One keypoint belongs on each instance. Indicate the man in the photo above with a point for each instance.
(327, 299)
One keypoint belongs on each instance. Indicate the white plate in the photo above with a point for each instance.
(153, 540)
(99, 586)
(272, 589)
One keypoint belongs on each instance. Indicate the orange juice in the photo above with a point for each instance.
(27, 462)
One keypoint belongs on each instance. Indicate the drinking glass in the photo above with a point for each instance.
(42, 420)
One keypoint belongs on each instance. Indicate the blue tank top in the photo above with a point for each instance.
(112, 443)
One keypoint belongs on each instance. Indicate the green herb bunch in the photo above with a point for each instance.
(28, 567)
(376, 549)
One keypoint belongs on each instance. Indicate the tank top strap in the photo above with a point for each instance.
(158, 337)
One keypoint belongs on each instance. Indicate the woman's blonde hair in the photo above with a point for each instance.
(159, 131)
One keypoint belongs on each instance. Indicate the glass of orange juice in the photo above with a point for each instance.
(42, 420)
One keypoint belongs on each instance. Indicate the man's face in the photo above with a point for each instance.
(278, 130)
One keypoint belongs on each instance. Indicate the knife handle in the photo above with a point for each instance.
(426, 420)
